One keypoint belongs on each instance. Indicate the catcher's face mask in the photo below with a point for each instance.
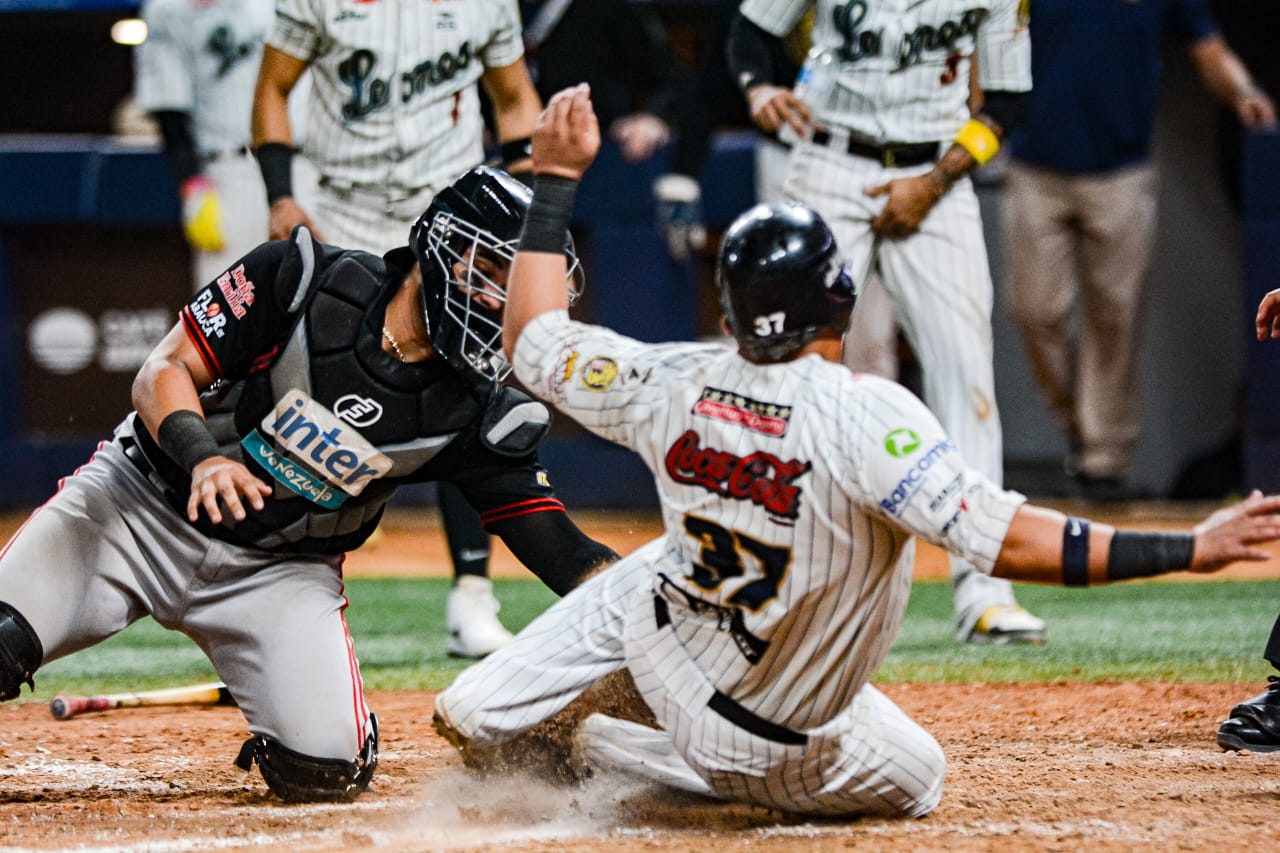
(472, 267)
(465, 243)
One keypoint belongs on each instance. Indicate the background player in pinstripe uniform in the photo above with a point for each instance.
(792, 491)
(195, 75)
(883, 144)
(395, 116)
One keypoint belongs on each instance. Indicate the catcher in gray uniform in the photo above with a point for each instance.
(272, 425)
(395, 115)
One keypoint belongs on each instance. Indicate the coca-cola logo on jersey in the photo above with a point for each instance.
(762, 478)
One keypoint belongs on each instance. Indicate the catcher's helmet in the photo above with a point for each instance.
(781, 281)
(479, 216)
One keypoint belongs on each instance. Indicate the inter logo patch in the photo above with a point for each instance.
(313, 453)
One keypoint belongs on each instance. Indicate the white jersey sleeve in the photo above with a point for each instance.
(1004, 48)
(918, 479)
(777, 17)
(162, 65)
(506, 45)
(298, 28)
(596, 376)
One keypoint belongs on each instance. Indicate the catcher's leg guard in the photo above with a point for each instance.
(298, 778)
(20, 652)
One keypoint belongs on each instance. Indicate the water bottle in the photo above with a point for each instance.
(814, 85)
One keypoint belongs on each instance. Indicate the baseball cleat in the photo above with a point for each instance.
(621, 746)
(471, 615)
(1255, 722)
(1007, 624)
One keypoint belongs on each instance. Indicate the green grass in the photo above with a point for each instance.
(1212, 631)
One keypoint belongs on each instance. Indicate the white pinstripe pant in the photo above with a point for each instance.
(870, 758)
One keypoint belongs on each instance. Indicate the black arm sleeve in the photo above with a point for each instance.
(750, 53)
(1006, 108)
(179, 144)
(552, 547)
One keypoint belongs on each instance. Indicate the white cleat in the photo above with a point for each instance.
(471, 615)
(1007, 624)
(608, 744)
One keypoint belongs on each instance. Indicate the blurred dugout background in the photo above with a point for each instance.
(93, 268)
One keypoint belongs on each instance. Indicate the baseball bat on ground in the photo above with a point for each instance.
(64, 707)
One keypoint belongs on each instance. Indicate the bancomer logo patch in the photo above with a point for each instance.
(324, 460)
(914, 478)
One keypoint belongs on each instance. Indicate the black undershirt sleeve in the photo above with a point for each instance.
(749, 53)
(1005, 107)
(179, 144)
(551, 546)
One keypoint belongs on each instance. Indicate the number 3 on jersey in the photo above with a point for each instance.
(720, 560)
(770, 324)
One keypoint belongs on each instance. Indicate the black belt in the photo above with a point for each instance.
(889, 155)
(139, 459)
(134, 454)
(729, 709)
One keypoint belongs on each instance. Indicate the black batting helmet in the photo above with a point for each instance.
(481, 214)
(781, 281)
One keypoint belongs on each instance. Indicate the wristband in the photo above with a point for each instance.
(185, 437)
(1075, 552)
(275, 160)
(1141, 555)
(550, 212)
(516, 149)
(979, 140)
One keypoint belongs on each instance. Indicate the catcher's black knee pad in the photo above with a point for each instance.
(20, 652)
(298, 778)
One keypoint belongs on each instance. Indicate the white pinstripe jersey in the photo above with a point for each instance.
(394, 102)
(789, 492)
(201, 57)
(899, 69)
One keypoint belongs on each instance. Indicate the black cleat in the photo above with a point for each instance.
(1255, 723)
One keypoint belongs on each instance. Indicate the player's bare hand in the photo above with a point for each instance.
(773, 106)
(567, 136)
(1255, 110)
(285, 215)
(1268, 320)
(909, 201)
(639, 135)
(219, 478)
(1237, 532)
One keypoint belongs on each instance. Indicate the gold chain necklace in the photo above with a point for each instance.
(395, 345)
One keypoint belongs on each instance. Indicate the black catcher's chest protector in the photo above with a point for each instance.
(335, 424)
(407, 412)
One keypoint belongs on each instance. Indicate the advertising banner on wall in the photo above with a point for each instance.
(91, 306)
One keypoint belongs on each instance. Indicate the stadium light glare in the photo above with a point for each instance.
(129, 31)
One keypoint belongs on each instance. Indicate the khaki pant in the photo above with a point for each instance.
(1077, 250)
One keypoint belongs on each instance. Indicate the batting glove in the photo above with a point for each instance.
(680, 215)
(202, 215)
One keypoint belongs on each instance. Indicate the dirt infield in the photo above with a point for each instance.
(1054, 767)
(1117, 766)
